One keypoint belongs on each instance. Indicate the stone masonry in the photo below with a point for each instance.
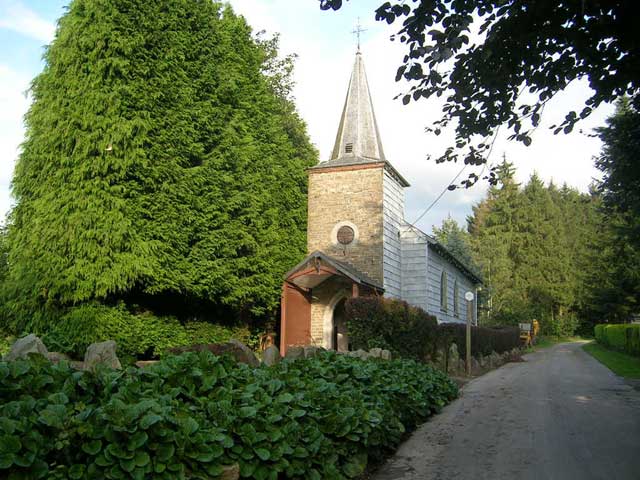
(353, 194)
(321, 297)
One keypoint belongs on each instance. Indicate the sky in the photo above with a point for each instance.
(326, 48)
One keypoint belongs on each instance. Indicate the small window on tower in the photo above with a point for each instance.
(345, 235)
(348, 148)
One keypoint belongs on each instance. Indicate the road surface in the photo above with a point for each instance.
(558, 415)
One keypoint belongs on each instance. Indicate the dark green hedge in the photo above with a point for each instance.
(138, 335)
(483, 340)
(394, 325)
(411, 332)
(621, 337)
(187, 416)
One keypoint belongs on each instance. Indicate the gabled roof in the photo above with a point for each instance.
(343, 268)
(438, 247)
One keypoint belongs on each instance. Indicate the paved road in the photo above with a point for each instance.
(559, 415)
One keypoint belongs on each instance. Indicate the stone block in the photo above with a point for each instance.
(271, 356)
(101, 353)
(375, 352)
(56, 357)
(230, 472)
(24, 346)
(294, 352)
(385, 355)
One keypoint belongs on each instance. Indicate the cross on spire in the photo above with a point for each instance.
(358, 30)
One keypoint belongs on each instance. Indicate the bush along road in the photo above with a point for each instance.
(195, 414)
(558, 415)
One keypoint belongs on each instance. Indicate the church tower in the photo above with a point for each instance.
(355, 213)
(356, 198)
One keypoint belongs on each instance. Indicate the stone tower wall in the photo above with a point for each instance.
(351, 194)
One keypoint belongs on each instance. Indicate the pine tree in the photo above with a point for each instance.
(161, 166)
(492, 234)
(455, 239)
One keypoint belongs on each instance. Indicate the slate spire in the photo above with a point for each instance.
(358, 139)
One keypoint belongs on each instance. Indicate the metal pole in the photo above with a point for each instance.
(469, 314)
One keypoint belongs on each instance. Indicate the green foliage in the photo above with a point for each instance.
(392, 325)
(137, 334)
(189, 415)
(483, 340)
(615, 278)
(623, 337)
(536, 247)
(162, 165)
(456, 240)
(540, 47)
(410, 332)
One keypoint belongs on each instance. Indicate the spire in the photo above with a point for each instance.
(358, 138)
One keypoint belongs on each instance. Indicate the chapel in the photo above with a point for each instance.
(358, 242)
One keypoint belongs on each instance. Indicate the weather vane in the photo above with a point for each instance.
(358, 31)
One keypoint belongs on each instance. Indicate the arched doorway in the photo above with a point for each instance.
(339, 337)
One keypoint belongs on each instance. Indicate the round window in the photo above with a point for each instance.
(345, 235)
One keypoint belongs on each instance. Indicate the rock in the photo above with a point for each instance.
(375, 352)
(230, 472)
(294, 352)
(271, 356)
(461, 368)
(385, 355)
(145, 363)
(101, 353)
(475, 365)
(249, 357)
(310, 351)
(24, 346)
(56, 357)
(453, 353)
(361, 354)
(482, 361)
(76, 365)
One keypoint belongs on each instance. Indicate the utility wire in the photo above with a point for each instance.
(439, 196)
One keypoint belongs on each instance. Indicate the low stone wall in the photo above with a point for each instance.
(455, 365)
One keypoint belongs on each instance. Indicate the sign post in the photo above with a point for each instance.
(469, 298)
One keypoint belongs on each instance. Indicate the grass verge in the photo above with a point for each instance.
(546, 342)
(619, 363)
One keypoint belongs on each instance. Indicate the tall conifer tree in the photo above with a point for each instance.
(161, 166)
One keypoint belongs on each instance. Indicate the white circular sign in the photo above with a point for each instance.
(468, 296)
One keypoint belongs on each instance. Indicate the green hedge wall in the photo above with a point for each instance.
(394, 325)
(411, 332)
(621, 337)
(188, 415)
(141, 335)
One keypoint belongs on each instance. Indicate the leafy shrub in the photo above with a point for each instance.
(189, 415)
(410, 332)
(394, 325)
(621, 337)
(6, 340)
(483, 340)
(137, 335)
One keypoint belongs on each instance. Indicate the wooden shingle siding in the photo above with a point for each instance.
(435, 266)
(414, 269)
(392, 219)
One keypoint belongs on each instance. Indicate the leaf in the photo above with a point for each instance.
(76, 471)
(246, 412)
(263, 453)
(9, 444)
(149, 419)
(164, 452)
(92, 447)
